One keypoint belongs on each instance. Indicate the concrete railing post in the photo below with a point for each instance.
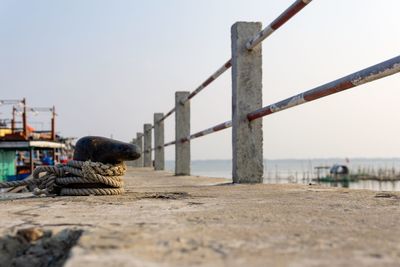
(247, 137)
(182, 130)
(147, 145)
(139, 142)
(158, 142)
(133, 163)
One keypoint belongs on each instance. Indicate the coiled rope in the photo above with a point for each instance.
(76, 178)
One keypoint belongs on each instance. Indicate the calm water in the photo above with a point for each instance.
(302, 171)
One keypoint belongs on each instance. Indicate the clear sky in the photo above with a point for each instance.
(107, 66)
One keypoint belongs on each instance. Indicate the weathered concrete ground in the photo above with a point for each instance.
(164, 220)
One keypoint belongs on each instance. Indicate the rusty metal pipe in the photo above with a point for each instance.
(24, 120)
(211, 130)
(170, 143)
(209, 80)
(13, 120)
(253, 42)
(53, 124)
(277, 23)
(367, 75)
(167, 115)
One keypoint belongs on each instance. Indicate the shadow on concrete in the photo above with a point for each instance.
(36, 247)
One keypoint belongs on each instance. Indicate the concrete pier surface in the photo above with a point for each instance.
(167, 220)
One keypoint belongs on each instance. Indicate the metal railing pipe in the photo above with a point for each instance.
(167, 115)
(253, 42)
(211, 130)
(367, 75)
(277, 23)
(170, 143)
(210, 79)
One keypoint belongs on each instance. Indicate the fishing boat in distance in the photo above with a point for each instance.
(23, 148)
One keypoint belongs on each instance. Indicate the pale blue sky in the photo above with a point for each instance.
(109, 65)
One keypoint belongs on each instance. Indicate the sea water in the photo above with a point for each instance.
(303, 170)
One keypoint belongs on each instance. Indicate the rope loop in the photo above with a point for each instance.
(76, 178)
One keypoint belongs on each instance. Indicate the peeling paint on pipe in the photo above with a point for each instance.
(210, 79)
(167, 115)
(207, 82)
(261, 36)
(370, 74)
(211, 130)
(277, 23)
(170, 143)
